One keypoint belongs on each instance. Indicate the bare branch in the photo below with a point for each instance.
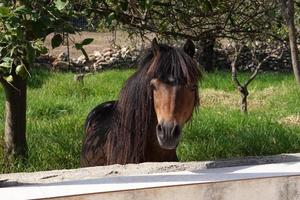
(259, 63)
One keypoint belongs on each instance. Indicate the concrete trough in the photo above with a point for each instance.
(277, 181)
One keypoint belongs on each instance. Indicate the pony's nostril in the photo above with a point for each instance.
(176, 131)
(160, 132)
(159, 128)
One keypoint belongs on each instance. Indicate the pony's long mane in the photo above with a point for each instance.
(135, 115)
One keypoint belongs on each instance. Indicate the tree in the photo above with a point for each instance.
(196, 20)
(205, 22)
(202, 21)
(24, 26)
(287, 8)
(256, 62)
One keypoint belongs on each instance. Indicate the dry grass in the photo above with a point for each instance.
(256, 100)
(291, 120)
(212, 97)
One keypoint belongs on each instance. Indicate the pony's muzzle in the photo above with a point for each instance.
(168, 135)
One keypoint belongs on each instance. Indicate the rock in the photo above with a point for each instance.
(108, 54)
(112, 59)
(97, 60)
(97, 66)
(86, 68)
(60, 65)
(114, 55)
(133, 58)
(92, 58)
(97, 54)
(107, 59)
(63, 56)
(81, 59)
(124, 49)
(100, 59)
(107, 50)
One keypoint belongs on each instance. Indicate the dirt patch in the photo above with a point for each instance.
(101, 42)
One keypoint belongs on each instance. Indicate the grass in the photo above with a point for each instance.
(57, 107)
(220, 130)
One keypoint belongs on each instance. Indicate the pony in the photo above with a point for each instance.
(145, 123)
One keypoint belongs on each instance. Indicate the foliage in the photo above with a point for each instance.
(218, 130)
(25, 25)
(196, 20)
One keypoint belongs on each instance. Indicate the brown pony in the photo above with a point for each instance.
(145, 124)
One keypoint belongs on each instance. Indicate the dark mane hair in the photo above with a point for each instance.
(135, 111)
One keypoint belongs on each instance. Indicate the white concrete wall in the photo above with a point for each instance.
(280, 188)
(267, 182)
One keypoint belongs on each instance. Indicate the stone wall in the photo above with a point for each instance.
(276, 62)
(107, 58)
(125, 57)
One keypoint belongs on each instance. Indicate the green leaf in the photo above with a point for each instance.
(8, 37)
(9, 78)
(87, 41)
(39, 47)
(22, 71)
(148, 4)
(143, 4)
(78, 46)
(110, 18)
(5, 12)
(207, 6)
(38, 28)
(30, 54)
(56, 41)
(214, 3)
(61, 4)
(68, 28)
(22, 10)
(124, 5)
(12, 51)
(7, 62)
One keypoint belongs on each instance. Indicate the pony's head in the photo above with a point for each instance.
(161, 96)
(174, 86)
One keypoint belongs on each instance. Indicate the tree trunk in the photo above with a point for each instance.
(244, 94)
(244, 104)
(207, 57)
(15, 119)
(287, 7)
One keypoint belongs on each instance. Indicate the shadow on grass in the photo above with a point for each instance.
(38, 77)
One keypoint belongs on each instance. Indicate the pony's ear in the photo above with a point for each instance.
(155, 47)
(189, 47)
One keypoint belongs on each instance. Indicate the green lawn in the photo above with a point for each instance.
(57, 107)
